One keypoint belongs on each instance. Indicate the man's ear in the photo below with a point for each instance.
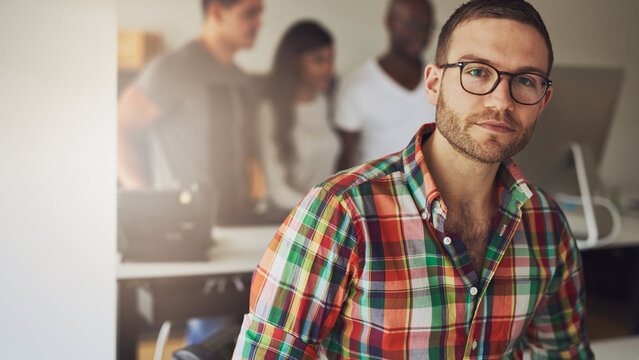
(215, 11)
(546, 99)
(432, 82)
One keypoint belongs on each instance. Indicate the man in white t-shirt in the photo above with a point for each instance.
(381, 105)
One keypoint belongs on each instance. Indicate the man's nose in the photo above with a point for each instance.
(500, 98)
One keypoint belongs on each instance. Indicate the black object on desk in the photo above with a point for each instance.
(164, 225)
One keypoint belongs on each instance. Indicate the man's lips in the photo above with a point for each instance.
(496, 126)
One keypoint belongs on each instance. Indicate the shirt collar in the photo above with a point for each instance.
(514, 190)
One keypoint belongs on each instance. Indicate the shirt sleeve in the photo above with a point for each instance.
(160, 82)
(348, 116)
(279, 191)
(299, 286)
(557, 329)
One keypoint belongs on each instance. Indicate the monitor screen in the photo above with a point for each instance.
(581, 110)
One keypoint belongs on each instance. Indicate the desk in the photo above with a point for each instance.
(236, 253)
(618, 348)
(629, 235)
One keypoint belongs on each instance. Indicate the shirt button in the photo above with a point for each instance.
(474, 343)
(424, 215)
(473, 291)
(447, 240)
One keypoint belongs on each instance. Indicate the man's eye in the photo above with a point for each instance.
(526, 81)
(477, 72)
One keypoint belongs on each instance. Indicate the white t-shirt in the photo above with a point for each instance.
(386, 114)
(315, 143)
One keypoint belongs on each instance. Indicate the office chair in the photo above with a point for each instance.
(218, 346)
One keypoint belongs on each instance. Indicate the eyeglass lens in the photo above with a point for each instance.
(480, 79)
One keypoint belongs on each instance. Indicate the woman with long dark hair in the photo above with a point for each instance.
(300, 147)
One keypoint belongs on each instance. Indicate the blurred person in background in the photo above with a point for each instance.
(198, 109)
(299, 145)
(381, 104)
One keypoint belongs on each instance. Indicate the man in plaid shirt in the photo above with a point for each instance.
(443, 250)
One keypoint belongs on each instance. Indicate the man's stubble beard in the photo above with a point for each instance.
(456, 131)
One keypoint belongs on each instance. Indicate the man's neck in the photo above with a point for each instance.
(404, 70)
(216, 46)
(460, 179)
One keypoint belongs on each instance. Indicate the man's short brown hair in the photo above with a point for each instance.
(517, 10)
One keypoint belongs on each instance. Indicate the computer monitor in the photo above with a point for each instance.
(564, 154)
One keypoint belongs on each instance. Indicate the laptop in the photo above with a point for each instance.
(164, 225)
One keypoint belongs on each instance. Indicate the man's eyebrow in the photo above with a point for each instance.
(531, 69)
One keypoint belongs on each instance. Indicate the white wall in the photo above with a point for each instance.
(584, 32)
(57, 179)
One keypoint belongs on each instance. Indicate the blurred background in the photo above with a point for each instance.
(59, 80)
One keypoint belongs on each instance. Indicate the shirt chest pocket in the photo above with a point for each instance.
(408, 299)
(516, 297)
(518, 284)
(512, 303)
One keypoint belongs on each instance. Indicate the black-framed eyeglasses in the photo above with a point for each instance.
(478, 78)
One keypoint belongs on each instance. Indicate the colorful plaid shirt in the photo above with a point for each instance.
(363, 269)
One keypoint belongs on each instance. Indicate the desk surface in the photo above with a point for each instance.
(617, 348)
(629, 235)
(237, 250)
